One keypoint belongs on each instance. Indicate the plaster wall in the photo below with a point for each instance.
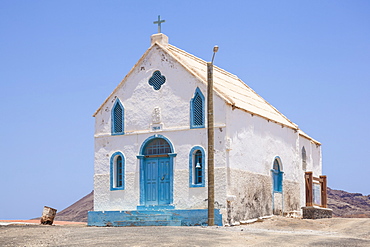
(139, 100)
(313, 155)
(255, 142)
(245, 146)
(313, 161)
(292, 195)
(184, 195)
(253, 196)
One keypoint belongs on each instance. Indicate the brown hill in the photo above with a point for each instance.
(348, 205)
(78, 210)
(344, 204)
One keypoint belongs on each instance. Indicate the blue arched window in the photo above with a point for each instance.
(196, 167)
(197, 110)
(157, 147)
(117, 118)
(117, 171)
(277, 176)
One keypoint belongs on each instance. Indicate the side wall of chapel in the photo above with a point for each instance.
(313, 161)
(255, 142)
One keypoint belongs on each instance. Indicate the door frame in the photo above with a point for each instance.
(142, 159)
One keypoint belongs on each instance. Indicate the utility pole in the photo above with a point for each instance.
(210, 121)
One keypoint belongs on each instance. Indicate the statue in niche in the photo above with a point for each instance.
(156, 116)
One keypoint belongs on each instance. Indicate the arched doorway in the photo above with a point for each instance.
(156, 172)
(277, 187)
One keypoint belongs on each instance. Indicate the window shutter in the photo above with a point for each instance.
(198, 111)
(118, 119)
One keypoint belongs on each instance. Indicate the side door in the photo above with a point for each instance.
(164, 180)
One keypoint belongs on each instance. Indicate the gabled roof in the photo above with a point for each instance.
(301, 133)
(234, 91)
(228, 86)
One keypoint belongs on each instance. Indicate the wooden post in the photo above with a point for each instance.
(210, 120)
(309, 189)
(324, 198)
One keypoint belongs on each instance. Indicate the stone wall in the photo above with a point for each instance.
(291, 196)
(316, 213)
(253, 196)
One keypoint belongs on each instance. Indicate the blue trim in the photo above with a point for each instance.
(170, 217)
(277, 176)
(155, 207)
(157, 136)
(192, 124)
(113, 118)
(142, 159)
(191, 168)
(113, 172)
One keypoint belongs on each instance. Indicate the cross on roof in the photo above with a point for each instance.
(159, 23)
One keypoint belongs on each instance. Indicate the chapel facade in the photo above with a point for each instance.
(151, 147)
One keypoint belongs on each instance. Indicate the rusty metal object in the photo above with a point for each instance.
(48, 215)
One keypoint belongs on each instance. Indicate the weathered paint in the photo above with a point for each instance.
(194, 217)
(139, 100)
(254, 143)
(245, 147)
(253, 197)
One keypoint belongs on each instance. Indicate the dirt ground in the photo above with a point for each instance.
(277, 231)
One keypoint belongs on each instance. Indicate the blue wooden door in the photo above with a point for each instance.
(151, 182)
(164, 181)
(157, 181)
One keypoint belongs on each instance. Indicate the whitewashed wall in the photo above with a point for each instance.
(313, 155)
(254, 144)
(139, 100)
(245, 146)
(313, 161)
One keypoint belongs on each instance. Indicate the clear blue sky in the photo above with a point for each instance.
(59, 60)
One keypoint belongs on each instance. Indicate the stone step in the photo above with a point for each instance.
(148, 223)
(148, 217)
(147, 212)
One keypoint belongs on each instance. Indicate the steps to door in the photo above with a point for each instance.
(170, 217)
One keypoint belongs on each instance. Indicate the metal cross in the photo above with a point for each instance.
(159, 23)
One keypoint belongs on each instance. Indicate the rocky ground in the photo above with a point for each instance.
(277, 231)
(344, 204)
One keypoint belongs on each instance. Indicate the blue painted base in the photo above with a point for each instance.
(155, 207)
(164, 217)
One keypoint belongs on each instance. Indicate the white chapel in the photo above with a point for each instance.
(151, 147)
